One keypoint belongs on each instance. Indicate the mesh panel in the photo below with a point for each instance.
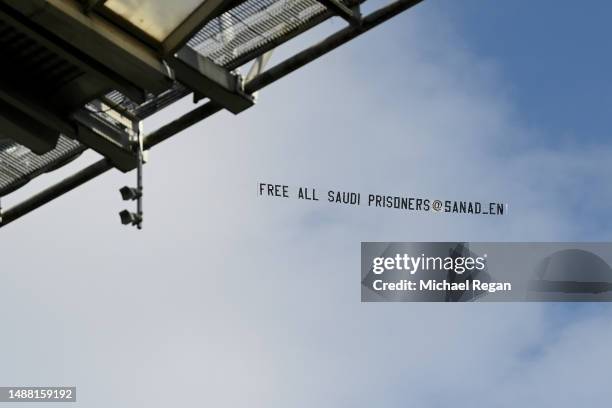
(250, 25)
(18, 164)
(233, 35)
(151, 105)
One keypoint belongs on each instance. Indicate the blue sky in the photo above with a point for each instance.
(553, 56)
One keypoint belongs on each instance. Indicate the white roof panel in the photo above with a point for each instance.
(157, 18)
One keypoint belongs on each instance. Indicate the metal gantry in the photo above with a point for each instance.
(108, 65)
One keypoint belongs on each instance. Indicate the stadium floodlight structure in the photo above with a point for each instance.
(84, 74)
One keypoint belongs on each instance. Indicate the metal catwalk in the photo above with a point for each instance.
(84, 74)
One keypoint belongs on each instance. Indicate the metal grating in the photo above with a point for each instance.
(231, 39)
(18, 164)
(251, 25)
(153, 103)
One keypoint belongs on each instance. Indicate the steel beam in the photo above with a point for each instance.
(51, 193)
(352, 16)
(192, 24)
(89, 5)
(187, 120)
(330, 43)
(209, 79)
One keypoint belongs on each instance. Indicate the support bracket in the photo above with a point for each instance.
(210, 80)
(131, 193)
(352, 16)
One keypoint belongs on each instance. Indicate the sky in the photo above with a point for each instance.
(229, 299)
(551, 53)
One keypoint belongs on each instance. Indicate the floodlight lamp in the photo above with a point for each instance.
(128, 217)
(130, 193)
